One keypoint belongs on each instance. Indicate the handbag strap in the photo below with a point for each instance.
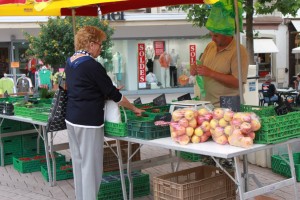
(125, 115)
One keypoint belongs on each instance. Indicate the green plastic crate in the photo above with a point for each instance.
(275, 129)
(34, 163)
(262, 111)
(9, 126)
(279, 165)
(115, 129)
(12, 144)
(189, 156)
(144, 128)
(63, 172)
(111, 188)
(8, 157)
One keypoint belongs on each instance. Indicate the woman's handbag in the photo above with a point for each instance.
(57, 115)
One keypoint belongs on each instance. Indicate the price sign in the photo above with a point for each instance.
(137, 101)
(185, 97)
(160, 100)
(231, 102)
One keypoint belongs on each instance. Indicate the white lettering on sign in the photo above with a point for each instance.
(192, 54)
(141, 63)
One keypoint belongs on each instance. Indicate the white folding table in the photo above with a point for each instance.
(215, 150)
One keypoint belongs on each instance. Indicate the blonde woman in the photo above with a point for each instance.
(88, 86)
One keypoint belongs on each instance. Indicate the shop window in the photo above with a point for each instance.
(264, 64)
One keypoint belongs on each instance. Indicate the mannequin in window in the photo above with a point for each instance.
(173, 68)
(164, 60)
(150, 58)
(117, 64)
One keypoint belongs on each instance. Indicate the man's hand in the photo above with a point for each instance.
(193, 70)
(204, 71)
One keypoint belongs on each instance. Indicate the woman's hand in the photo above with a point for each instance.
(138, 112)
(120, 87)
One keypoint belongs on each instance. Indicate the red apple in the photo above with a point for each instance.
(218, 113)
(183, 122)
(208, 116)
(184, 139)
(200, 119)
(205, 126)
(193, 123)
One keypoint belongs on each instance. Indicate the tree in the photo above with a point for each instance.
(198, 14)
(55, 42)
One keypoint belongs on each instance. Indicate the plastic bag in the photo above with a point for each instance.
(222, 18)
(200, 83)
(112, 112)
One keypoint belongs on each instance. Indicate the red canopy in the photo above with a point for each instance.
(136, 4)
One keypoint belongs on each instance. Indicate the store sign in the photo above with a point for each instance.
(159, 48)
(15, 64)
(141, 65)
(193, 54)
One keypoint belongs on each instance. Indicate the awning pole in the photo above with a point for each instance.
(237, 29)
(74, 23)
(245, 157)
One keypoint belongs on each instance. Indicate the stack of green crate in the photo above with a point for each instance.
(274, 129)
(8, 126)
(144, 128)
(33, 163)
(12, 147)
(280, 166)
(30, 145)
(63, 171)
(111, 187)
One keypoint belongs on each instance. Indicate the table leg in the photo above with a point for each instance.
(292, 167)
(245, 172)
(1, 146)
(53, 160)
(239, 177)
(121, 170)
(45, 136)
(129, 171)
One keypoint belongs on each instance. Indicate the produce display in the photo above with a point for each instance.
(223, 125)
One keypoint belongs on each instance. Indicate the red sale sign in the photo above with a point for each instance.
(159, 48)
(141, 65)
(192, 54)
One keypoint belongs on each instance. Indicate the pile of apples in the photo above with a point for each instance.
(235, 128)
(190, 125)
(223, 125)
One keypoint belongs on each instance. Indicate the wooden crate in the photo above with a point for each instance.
(110, 161)
(203, 182)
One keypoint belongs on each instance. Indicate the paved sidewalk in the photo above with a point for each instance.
(31, 186)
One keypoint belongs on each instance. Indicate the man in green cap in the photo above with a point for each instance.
(219, 67)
